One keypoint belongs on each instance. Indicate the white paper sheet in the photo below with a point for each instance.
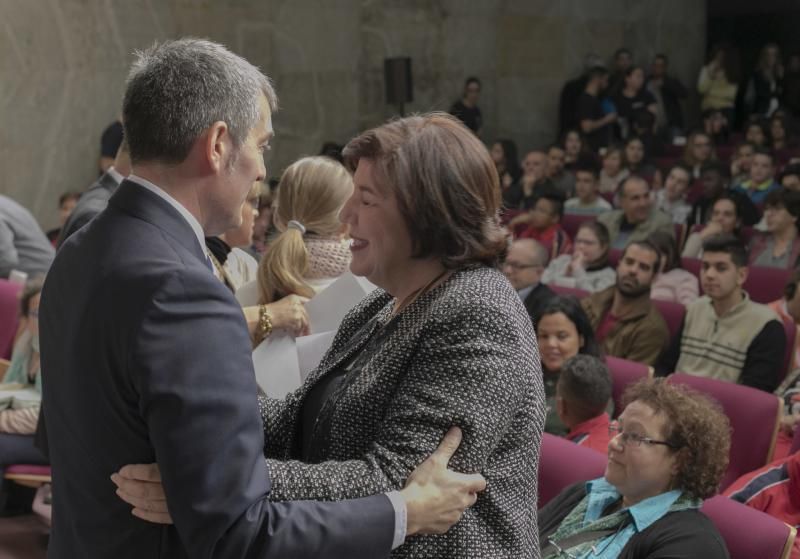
(327, 309)
(311, 349)
(276, 365)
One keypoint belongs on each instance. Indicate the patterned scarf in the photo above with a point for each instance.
(572, 524)
(328, 257)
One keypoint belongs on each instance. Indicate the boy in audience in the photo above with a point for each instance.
(637, 218)
(672, 198)
(725, 335)
(761, 180)
(563, 180)
(625, 322)
(545, 225)
(582, 395)
(587, 200)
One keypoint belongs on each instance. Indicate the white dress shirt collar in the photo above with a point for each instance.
(116, 175)
(190, 219)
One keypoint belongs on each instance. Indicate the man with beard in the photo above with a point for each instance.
(625, 322)
(725, 335)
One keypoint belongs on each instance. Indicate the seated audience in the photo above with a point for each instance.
(562, 179)
(741, 161)
(724, 220)
(762, 177)
(231, 264)
(613, 170)
(773, 490)
(23, 244)
(595, 122)
(779, 246)
(587, 200)
(96, 197)
(66, 204)
(637, 218)
(574, 149)
(583, 393)
(780, 134)
(715, 180)
(672, 198)
(625, 321)
(699, 150)
(669, 451)
(725, 335)
(523, 267)
(635, 157)
(788, 309)
(756, 132)
(790, 177)
(716, 125)
(562, 331)
(673, 283)
(506, 160)
(523, 194)
(587, 267)
(544, 224)
(18, 422)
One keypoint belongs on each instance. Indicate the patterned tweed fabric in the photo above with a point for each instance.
(462, 354)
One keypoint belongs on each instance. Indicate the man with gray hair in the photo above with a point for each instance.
(148, 354)
(524, 266)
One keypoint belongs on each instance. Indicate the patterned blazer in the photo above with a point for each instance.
(462, 354)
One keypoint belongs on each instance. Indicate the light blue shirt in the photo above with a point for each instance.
(643, 514)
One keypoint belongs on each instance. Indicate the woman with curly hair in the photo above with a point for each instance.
(669, 451)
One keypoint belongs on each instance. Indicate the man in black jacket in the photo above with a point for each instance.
(524, 267)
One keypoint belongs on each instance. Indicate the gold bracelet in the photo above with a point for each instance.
(264, 322)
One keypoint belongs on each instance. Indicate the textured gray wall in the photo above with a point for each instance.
(63, 63)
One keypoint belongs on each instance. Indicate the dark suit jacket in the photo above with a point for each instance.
(148, 359)
(91, 203)
(536, 299)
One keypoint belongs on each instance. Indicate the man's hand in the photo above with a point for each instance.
(140, 485)
(437, 497)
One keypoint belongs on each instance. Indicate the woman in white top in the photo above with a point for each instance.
(311, 250)
(587, 267)
(724, 220)
(613, 171)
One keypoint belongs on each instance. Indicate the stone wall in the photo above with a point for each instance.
(64, 62)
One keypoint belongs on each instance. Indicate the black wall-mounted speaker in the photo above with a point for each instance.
(397, 77)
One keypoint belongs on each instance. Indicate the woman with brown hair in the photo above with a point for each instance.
(444, 340)
(669, 451)
(699, 151)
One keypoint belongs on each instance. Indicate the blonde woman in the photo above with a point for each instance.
(311, 250)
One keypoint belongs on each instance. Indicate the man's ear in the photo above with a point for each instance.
(217, 145)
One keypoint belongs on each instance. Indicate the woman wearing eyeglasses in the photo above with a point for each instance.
(669, 451)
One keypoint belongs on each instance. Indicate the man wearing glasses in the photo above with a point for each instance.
(523, 267)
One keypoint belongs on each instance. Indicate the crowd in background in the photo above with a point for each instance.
(604, 223)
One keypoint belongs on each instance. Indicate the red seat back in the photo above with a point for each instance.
(765, 285)
(749, 533)
(754, 416)
(673, 314)
(623, 374)
(574, 291)
(9, 315)
(572, 222)
(562, 463)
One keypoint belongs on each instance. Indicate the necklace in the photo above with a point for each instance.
(416, 294)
